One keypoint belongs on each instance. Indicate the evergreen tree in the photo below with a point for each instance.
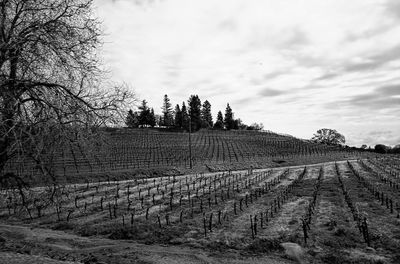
(159, 120)
(178, 117)
(229, 122)
(206, 117)
(132, 119)
(152, 118)
(146, 115)
(236, 123)
(219, 124)
(195, 112)
(167, 112)
(185, 117)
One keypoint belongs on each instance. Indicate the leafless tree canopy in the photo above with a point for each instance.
(50, 81)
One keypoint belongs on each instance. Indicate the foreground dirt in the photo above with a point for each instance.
(37, 245)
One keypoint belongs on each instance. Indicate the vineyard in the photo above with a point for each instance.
(339, 212)
(134, 151)
(109, 156)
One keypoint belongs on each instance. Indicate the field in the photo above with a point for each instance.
(338, 212)
(132, 153)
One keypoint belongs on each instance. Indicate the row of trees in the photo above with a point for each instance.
(192, 117)
(380, 148)
(332, 137)
(145, 117)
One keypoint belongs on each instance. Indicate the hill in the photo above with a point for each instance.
(152, 152)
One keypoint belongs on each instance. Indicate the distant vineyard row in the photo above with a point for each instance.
(143, 148)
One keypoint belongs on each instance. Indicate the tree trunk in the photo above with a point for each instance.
(8, 113)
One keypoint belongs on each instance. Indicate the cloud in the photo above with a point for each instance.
(380, 132)
(386, 137)
(264, 93)
(296, 38)
(381, 98)
(389, 90)
(370, 102)
(384, 97)
(327, 76)
(374, 61)
(228, 25)
(392, 7)
(275, 74)
(369, 33)
(244, 101)
(269, 92)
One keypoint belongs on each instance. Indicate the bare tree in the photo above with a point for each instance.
(52, 92)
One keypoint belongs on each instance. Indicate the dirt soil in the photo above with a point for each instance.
(22, 244)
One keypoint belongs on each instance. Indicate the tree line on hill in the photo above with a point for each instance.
(193, 117)
(332, 137)
(381, 148)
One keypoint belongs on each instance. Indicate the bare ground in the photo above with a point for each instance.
(37, 245)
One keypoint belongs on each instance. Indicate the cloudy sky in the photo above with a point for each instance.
(294, 65)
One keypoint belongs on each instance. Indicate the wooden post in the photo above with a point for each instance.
(255, 225)
(366, 233)
(391, 206)
(304, 231)
(190, 144)
(204, 225)
(252, 227)
(210, 222)
(159, 221)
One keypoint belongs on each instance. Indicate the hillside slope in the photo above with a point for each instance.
(143, 150)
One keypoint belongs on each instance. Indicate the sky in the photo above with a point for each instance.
(294, 65)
